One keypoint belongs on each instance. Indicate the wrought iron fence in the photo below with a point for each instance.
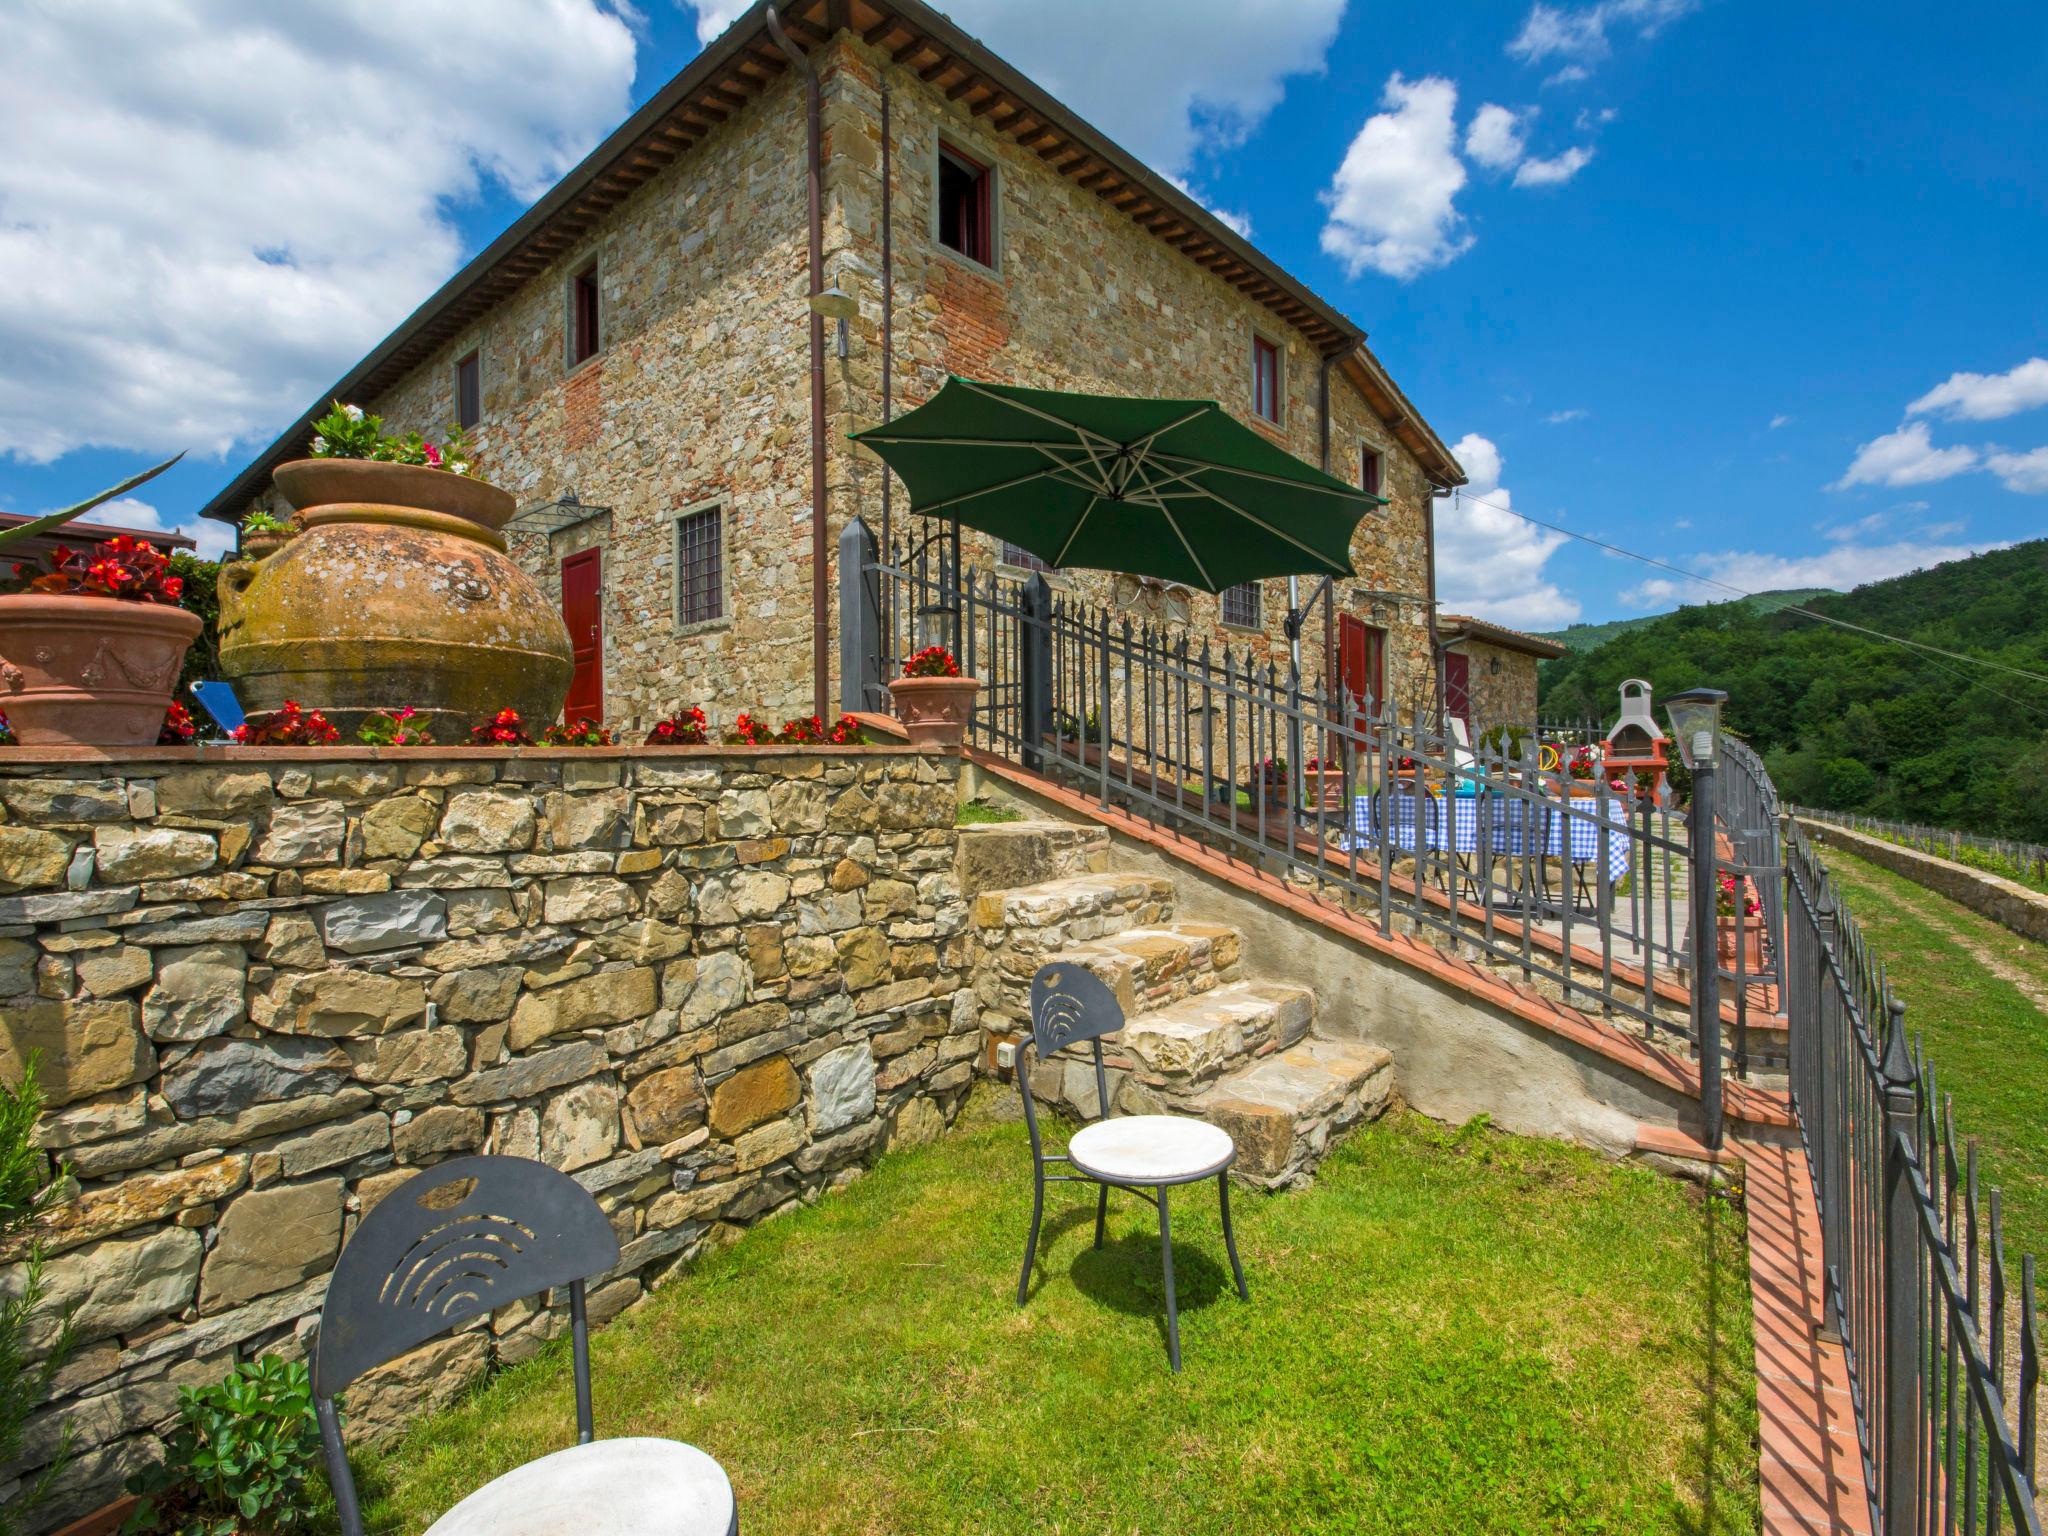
(1943, 1357)
(2025, 862)
(1585, 891)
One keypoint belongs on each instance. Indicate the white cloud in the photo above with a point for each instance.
(1559, 418)
(2026, 473)
(714, 16)
(1392, 201)
(1905, 457)
(1241, 222)
(1490, 562)
(210, 210)
(1579, 35)
(1497, 135)
(1780, 421)
(215, 538)
(1987, 396)
(1554, 171)
(1840, 568)
(1228, 65)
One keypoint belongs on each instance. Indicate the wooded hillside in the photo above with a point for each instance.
(1851, 722)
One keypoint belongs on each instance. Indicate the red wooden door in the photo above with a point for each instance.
(1458, 687)
(1362, 666)
(583, 613)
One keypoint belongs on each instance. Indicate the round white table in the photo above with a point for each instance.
(631, 1487)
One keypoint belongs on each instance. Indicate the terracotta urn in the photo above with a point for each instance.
(95, 671)
(396, 591)
(1747, 932)
(935, 710)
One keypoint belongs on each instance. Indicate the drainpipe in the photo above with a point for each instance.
(821, 624)
(888, 352)
(1436, 660)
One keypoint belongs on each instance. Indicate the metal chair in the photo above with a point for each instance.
(1146, 1155)
(465, 1237)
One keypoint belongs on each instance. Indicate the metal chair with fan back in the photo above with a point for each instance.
(462, 1239)
(1146, 1155)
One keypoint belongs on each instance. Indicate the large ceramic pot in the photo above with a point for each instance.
(96, 671)
(934, 710)
(397, 590)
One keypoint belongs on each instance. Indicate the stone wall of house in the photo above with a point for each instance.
(1083, 298)
(1504, 697)
(701, 392)
(267, 987)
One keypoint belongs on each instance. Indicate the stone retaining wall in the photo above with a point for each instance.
(267, 986)
(2018, 907)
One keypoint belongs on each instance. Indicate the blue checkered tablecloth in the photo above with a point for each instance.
(1453, 824)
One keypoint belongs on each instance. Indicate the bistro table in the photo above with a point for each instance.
(1463, 822)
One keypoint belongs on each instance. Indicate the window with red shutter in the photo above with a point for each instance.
(585, 337)
(966, 212)
(1266, 379)
(1369, 471)
(469, 392)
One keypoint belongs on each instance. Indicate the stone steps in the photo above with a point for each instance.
(1077, 907)
(1150, 968)
(1002, 856)
(1199, 1037)
(1181, 1048)
(1283, 1110)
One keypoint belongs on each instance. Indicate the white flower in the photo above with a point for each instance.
(352, 412)
(458, 468)
(319, 446)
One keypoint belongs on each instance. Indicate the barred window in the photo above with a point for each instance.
(700, 567)
(1022, 558)
(1241, 605)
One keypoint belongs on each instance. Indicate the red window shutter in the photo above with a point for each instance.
(1369, 472)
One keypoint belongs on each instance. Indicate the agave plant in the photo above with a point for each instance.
(45, 523)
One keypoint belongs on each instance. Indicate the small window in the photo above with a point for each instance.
(1369, 470)
(584, 335)
(1266, 379)
(1022, 558)
(966, 206)
(469, 392)
(700, 567)
(1241, 605)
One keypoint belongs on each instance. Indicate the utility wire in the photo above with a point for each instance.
(1825, 618)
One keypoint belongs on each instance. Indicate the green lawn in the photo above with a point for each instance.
(1449, 1332)
(1965, 982)
(981, 813)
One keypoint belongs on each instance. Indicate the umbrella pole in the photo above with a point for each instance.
(958, 585)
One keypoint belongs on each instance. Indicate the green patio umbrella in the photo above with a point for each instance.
(1176, 489)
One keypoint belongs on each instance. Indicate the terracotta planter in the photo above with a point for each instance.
(396, 591)
(261, 546)
(92, 671)
(935, 710)
(1749, 936)
(1324, 787)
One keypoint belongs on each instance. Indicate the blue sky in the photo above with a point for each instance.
(1751, 288)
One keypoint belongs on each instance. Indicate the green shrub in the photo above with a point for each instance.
(239, 1460)
(24, 1382)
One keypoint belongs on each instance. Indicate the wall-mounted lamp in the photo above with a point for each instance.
(1493, 665)
(835, 303)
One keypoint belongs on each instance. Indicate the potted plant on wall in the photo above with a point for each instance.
(933, 700)
(450, 624)
(1739, 926)
(91, 644)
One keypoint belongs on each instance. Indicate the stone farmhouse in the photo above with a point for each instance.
(638, 361)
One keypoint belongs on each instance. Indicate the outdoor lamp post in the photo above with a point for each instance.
(1696, 722)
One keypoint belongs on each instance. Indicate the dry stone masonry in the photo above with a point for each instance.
(266, 989)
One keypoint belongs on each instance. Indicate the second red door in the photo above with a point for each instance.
(583, 613)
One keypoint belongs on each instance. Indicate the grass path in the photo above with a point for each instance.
(1978, 993)
(1450, 1331)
